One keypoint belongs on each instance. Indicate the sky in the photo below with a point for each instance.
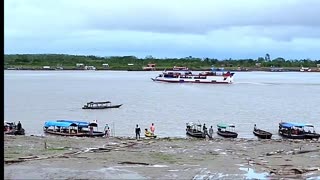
(219, 29)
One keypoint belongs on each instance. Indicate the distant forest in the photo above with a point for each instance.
(121, 62)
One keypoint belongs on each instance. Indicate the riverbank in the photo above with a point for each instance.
(46, 157)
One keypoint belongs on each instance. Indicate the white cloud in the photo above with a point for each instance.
(214, 28)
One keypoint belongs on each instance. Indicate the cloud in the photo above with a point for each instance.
(223, 28)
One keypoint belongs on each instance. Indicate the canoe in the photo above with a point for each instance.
(227, 130)
(194, 130)
(262, 134)
(227, 134)
(196, 134)
(311, 136)
(150, 136)
(102, 107)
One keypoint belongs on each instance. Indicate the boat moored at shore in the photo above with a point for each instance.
(293, 130)
(227, 130)
(215, 76)
(72, 128)
(194, 130)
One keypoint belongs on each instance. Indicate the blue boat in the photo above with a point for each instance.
(79, 123)
(294, 130)
(71, 128)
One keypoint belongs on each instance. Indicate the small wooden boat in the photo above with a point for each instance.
(227, 131)
(148, 134)
(194, 130)
(11, 128)
(261, 133)
(100, 105)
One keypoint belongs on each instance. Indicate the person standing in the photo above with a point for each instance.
(108, 132)
(138, 130)
(205, 130)
(210, 132)
(106, 129)
(91, 130)
(152, 128)
(19, 126)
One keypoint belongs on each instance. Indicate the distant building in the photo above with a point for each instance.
(80, 65)
(150, 67)
(105, 66)
(258, 64)
(90, 68)
(318, 65)
(46, 67)
(130, 64)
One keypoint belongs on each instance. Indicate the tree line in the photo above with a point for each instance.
(121, 62)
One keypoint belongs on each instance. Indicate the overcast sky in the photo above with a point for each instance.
(164, 28)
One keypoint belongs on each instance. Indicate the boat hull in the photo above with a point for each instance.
(291, 136)
(174, 80)
(196, 134)
(227, 134)
(81, 134)
(262, 134)
(15, 132)
(105, 107)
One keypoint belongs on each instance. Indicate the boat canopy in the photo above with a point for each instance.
(225, 125)
(103, 102)
(193, 124)
(59, 124)
(79, 123)
(292, 124)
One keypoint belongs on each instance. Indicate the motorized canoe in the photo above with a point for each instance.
(227, 130)
(194, 130)
(262, 134)
(100, 105)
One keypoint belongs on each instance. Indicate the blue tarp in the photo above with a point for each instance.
(291, 124)
(60, 124)
(79, 123)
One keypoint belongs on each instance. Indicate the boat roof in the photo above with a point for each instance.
(223, 125)
(193, 124)
(60, 124)
(101, 102)
(79, 123)
(292, 124)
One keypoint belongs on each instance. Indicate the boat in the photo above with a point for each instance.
(261, 133)
(227, 130)
(100, 105)
(309, 132)
(148, 134)
(72, 128)
(183, 75)
(194, 130)
(10, 128)
(294, 130)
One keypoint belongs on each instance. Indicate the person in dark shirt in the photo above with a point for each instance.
(19, 126)
(138, 130)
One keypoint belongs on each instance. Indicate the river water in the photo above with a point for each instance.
(262, 98)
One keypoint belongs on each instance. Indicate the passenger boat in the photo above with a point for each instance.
(100, 105)
(11, 128)
(261, 133)
(71, 128)
(215, 76)
(297, 130)
(194, 130)
(227, 130)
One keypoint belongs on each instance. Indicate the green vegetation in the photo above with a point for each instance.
(37, 61)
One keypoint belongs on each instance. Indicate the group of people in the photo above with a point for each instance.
(146, 132)
(205, 131)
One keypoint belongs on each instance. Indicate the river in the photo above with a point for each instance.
(262, 98)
